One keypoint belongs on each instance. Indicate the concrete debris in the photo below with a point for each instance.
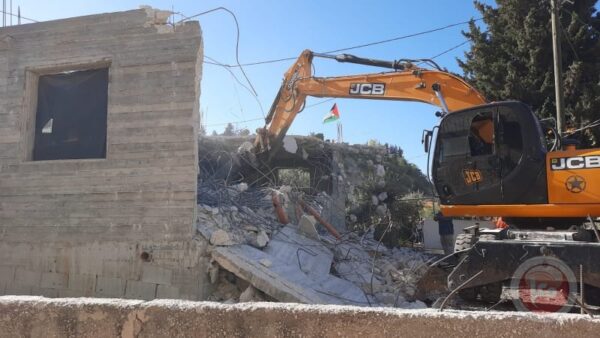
(261, 239)
(229, 215)
(265, 262)
(307, 227)
(380, 271)
(302, 261)
(290, 145)
(309, 255)
(304, 154)
(299, 262)
(374, 200)
(220, 237)
(251, 294)
(241, 187)
(299, 273)
(381, 210)
(382, 196)
(245, 147)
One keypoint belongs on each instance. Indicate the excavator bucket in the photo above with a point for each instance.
(433, 284)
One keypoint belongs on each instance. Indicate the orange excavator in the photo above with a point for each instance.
(487, 160)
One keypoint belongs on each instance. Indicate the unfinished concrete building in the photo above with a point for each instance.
(98, 157)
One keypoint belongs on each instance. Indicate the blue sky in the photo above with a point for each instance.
(279, 29)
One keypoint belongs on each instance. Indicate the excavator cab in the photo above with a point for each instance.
(492, 154)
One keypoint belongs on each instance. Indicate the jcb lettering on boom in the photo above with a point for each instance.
(577, 162)
(367, 88)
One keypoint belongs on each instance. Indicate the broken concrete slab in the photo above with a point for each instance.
(299, 270)
(291, 246)
(244, 262)
(284, 281)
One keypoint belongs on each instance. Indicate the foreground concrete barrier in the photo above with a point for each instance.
(89, 317)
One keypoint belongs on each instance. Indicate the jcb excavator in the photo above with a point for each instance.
(489, 159)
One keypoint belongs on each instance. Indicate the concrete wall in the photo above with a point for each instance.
(31, 317)
(115, 227)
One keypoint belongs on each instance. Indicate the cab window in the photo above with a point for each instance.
(481, 135)
(510, 141)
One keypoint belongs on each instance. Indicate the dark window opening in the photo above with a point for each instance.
(71, 115)
(481, 135)
(296, 177)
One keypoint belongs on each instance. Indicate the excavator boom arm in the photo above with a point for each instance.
(406, 83)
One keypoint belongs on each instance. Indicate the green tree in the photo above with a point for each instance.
(320, 136)
(373, 143)
(243, 132)
(229, 130)
(512, 59)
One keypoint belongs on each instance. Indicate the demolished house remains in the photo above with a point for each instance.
(122, 199)
(310, 255)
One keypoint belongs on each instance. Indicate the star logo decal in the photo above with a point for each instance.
(575, 184)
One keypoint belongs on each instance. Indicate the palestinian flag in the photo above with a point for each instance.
(333, 115)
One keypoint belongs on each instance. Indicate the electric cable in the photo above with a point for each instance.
(237, 40)
(568, 40)
(234, 122)
(359, 46)
(17, 16)
(589, 125)
(451, 49)
(215, 62)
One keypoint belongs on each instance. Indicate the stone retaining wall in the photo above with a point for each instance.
(86, 317)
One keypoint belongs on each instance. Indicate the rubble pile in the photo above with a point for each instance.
(388, 275)
(256, 257)
(229, 215)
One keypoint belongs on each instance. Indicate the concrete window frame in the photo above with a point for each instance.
(30, 100)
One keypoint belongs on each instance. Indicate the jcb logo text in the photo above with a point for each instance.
(367, 88)
(577, 162)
